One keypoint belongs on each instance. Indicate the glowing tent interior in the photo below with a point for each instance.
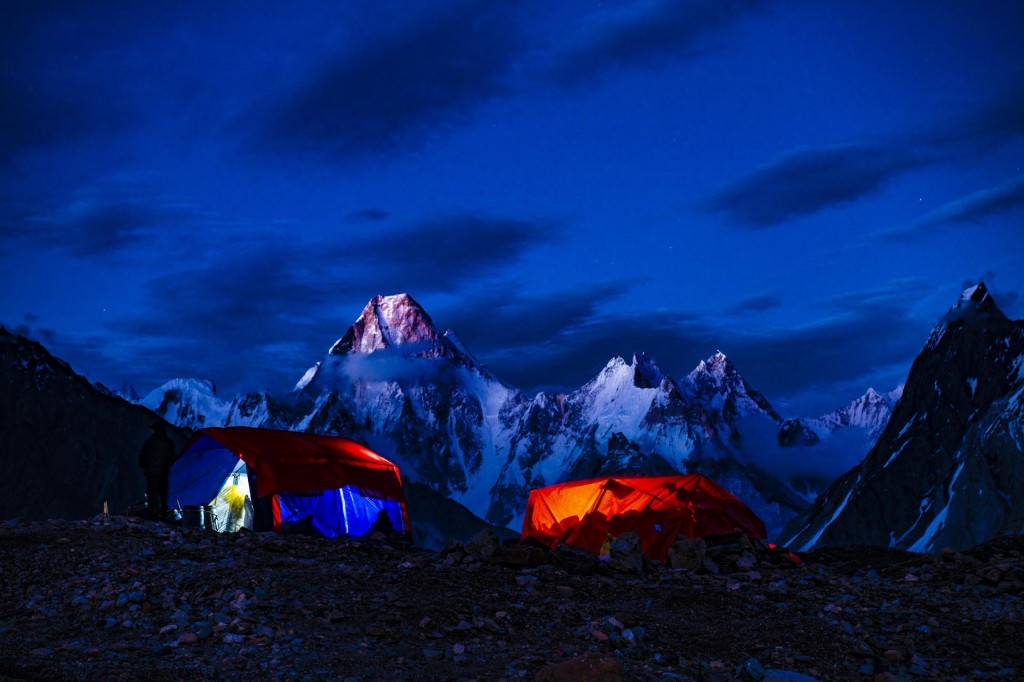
(657, 509)
(265, 479)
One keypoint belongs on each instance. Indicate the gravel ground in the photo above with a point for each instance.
(120, 598)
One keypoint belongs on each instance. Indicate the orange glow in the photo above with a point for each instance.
(585, 513)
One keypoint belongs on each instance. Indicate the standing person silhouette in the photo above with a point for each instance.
(155, 460)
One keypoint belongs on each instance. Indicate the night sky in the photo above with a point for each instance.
(217, 189)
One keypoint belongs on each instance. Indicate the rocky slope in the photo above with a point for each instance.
(116, 598)
(948, 469)
(65, 446)
(421, 398)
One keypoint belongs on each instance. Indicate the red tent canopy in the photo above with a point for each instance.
(585, 513)
(304, 463)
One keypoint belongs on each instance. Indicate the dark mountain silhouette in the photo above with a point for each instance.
(66, 446)
(948, 470)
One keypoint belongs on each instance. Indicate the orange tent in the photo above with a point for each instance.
(585, 513)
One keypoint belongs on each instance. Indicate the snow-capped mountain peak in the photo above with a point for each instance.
(387, 322)
(975, 294)
(871, 412)
(192, 403)
(617, 376)
(717, 379)
(615, 373)
(717, 366)
(974, 304)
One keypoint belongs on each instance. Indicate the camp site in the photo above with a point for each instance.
(264, 479)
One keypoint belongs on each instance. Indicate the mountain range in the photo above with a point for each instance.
(419, 396)
(943, 465)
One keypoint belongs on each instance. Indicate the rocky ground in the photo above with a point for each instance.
(119, 598)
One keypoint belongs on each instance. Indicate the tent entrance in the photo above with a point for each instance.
(232, 508)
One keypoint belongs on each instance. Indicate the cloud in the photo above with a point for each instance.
(395, 92)
(646, 33)
(577, 352)
(102, 219)
(367, 215)
(757, 304)
(245, 322)
(268, 307)
(29, 330)
(438, 254)
(806, 180)
(112, 227)
(559, 342)
(503, 322)
(986, 126)
(976, 206)
(972, 208)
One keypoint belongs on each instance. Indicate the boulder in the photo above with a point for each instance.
(575, 560)
(687, 553)
(627, 555)
(483, 544)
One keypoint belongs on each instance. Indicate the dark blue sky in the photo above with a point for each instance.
(216, 190)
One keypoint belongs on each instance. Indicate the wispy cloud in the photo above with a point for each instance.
(1008, 196)
(990, 124)
(396, 91)
(757, 304)
(367, 215)
(502, 321)
(803, 181)
(102, 220)
(646, 33)
(806, 180)
(276, 303)
(442, 253)
(973, 208)
(560, 342)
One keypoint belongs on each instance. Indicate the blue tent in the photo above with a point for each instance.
(267, 479)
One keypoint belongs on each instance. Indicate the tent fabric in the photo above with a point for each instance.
(298, 463)
(335, 482)
(342, 511)
(199, 473)
(657, 509)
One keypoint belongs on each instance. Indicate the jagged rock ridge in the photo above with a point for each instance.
(948, 469)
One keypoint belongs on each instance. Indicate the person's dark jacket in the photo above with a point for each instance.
(157, 453)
